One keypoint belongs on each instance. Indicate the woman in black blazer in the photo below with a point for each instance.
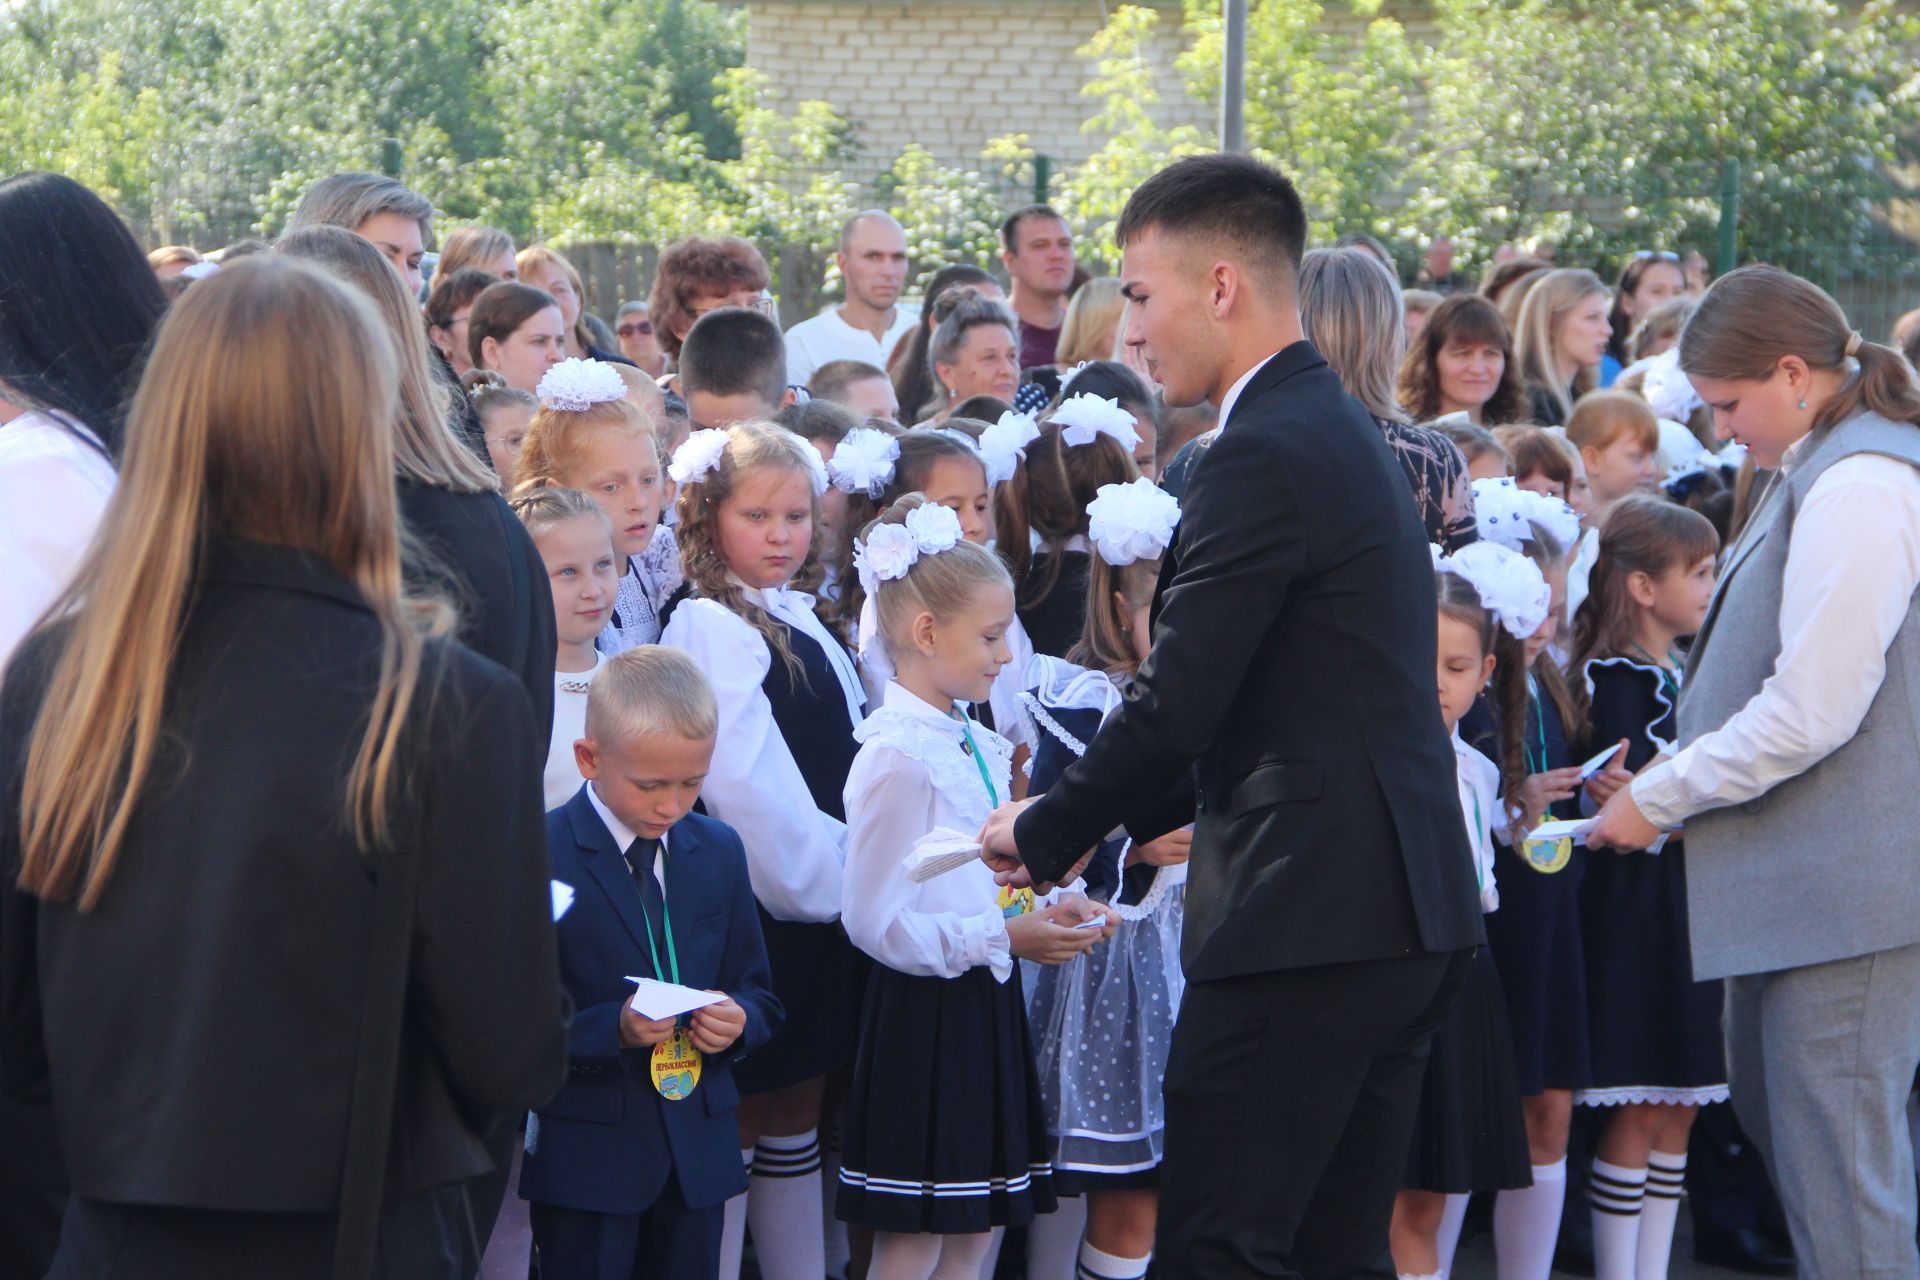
(466, 544)
(220, 761)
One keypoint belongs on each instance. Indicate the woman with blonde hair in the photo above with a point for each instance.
(1093, 320)
(246, 816)
(1350, 312)
(551, 273)
(487, 249)
(1559, 340)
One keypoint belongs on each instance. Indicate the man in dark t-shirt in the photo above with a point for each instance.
(1037, 248)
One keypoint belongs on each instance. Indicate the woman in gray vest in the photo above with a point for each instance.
(1798, 762)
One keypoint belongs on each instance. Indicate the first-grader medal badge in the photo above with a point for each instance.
(1014, 902)
(1547, 856)
(676, 1066)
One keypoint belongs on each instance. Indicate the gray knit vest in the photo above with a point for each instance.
(1826, 865)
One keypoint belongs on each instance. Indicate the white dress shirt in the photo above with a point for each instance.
(1233, 392)
(54, 488)
(913, 774)
(624, 836)
(1851, 573)
(1479, 780)
(794, 851)
(827, 337)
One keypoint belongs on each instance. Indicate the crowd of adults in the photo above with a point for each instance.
(193, 1058)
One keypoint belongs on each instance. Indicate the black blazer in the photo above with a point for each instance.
(1293, 658)
(483, 559)
(197, 1029)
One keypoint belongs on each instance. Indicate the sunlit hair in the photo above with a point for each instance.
(1643, 534)
(969, 311)
(1501, 276)
(1112, 593)
(920, 452)
(750, 446)
(1514, 296)
(943, 584)
(1465, 319)
(1602, 417)
(266, 414)
(173, 255)
(351, 200)
(472, 247)
(1092, 319)
(424, 447)
(544, 507)
(1753, 317)
(696, 268)
(1537, 336)
(554, 451)
(1048, 498)
(650, 691)
(537, 258)
(1350, 312)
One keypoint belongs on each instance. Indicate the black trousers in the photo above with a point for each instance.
(1290, 1100)
(666, 1241)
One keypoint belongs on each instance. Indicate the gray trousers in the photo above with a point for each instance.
(1821, 1061)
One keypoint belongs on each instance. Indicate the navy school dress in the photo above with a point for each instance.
(1055, 623)
(1655, 1031)
(818, 975)
(1535, 936)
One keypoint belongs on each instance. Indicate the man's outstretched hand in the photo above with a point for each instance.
(997, 848)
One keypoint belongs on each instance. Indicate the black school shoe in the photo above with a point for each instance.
(1745, 1249)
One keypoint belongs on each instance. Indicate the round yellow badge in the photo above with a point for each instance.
(1547, 856)
(676, 1066)
(1014, 902)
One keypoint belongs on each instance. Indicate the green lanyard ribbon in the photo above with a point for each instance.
(993, 795)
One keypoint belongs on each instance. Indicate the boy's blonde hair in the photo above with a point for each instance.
(650, 690)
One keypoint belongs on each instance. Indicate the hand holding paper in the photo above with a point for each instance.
(654, 999)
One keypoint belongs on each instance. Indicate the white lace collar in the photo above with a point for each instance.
(915, 727)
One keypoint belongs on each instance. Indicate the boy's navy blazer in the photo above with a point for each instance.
(608, 1141)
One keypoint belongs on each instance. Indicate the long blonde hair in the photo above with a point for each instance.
(1092, 323)
(1350, 310)
(424, 447)
(535, 257)
(1537, 335)
(749, 445)
(266, 413)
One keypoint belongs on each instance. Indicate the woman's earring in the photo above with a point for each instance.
(1803, 402)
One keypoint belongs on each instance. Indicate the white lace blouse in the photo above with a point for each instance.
(913, 774)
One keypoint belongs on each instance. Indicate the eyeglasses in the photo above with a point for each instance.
(643, 328)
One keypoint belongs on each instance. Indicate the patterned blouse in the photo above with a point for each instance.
(1435, 467)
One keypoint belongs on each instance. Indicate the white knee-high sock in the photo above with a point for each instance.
(961, 1256)
(1447, 1240)
(839, 1252)
(1095, 1265)
(1438, 1275)
(899, 1256)
(1053, 1241)
(1526, 1224)
(733, 1227)
(991, 1263)
(1616, 1195)
(783, 1208)
(1666, 1175)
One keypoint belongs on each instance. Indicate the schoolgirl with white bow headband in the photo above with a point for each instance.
(943, 1140)
(788, 697)
(1083, 444)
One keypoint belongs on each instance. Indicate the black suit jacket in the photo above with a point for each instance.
(1293, 659)
(479, 556)
(196, 1030)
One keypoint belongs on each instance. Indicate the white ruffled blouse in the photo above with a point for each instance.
(913, 774)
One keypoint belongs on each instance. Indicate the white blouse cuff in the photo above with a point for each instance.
(987, 938)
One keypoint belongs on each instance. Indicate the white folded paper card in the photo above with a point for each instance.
(1094, 923)
(1570, 829)
(1599, 762)
(939, 851)
(562, 897)
(657, 1000)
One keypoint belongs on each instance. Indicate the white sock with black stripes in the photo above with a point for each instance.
(733, 1226)
(783, 1208)
(1666, 1175)
(1095, 1265)
(839, 1251)
(1616, 1195)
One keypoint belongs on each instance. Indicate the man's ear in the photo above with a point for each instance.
(787, 397)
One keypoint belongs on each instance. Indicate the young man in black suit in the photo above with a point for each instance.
(1331, 903)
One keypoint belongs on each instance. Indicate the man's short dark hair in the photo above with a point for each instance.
(1226, 197)
(734, 351)
(831, 380)
(1010, 229)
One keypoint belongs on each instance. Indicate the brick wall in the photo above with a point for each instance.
(952, 74)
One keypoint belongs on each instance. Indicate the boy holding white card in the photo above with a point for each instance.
(629, 1168)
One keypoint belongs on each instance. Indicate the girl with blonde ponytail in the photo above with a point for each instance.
(224, 734)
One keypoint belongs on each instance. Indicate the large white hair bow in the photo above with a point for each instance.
(864, 462)
(1505, 513)
(1132, 521)
(890, 550)
(575, 384)
(1085, 418)
(1509, 585)
(1004, 443)
(698, 454)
